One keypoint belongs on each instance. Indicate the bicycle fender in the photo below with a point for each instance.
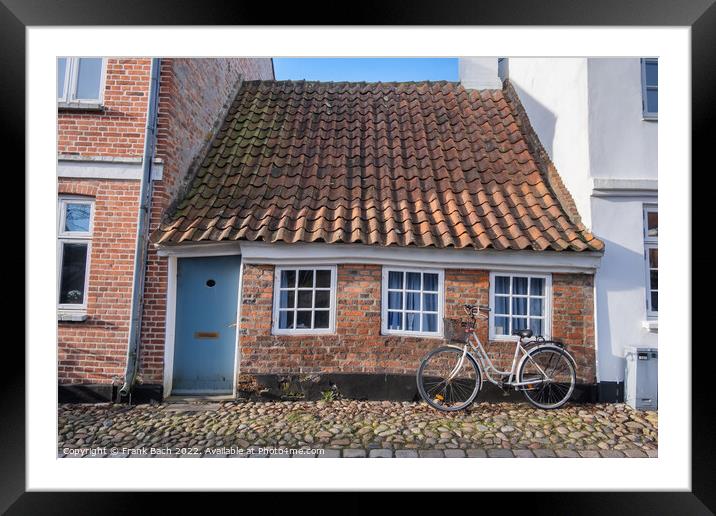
(454, 346)
(546, 346)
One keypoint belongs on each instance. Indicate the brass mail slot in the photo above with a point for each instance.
(206, 335)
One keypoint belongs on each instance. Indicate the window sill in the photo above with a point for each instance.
(436, 336)
(80, 106)
(71, 316)
(651, 325)
(299, 333)
(648, 118)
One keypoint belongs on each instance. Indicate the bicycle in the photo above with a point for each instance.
(450, 377)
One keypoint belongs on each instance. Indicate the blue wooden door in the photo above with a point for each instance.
(205, 331)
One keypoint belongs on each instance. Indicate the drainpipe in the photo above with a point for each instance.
(140, 255)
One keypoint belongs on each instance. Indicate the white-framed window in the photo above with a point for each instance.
(412, 302)
(650, 88)
(74, 246)
(651, 257)
(520, 301)
(80, 80)
(304, 300)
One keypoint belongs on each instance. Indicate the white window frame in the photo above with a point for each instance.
(648, 115)
(73, 237)
(547, 326)
(384, 302)
(70, 91)
(649, 243)
(276, 300)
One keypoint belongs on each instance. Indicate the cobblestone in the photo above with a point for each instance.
(354, 429)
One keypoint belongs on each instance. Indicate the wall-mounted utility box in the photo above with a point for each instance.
(641, 378)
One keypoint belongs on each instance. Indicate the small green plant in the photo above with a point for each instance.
(328, 395)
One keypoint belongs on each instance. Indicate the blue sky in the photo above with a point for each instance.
(366, 69)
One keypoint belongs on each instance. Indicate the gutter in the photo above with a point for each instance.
(140, 255)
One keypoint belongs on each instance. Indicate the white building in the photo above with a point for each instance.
(597, 120)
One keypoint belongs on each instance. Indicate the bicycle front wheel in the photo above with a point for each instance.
(551, 377)
(449, 379)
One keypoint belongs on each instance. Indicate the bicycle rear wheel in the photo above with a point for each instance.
(554, 375)
(449, 379)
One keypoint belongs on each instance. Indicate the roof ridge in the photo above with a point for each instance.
(304, 81)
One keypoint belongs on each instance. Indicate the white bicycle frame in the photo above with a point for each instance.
(486, 365)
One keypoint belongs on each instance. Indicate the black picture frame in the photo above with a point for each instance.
(700, 16)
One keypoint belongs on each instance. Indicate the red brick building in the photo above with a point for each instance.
(320, 234)
(102, 121)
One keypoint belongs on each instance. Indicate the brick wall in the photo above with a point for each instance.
(573, 319)
(358, 347)
(118, 130)
(193, 94)
(94, 351)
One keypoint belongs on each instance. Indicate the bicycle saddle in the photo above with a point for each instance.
(525, 334)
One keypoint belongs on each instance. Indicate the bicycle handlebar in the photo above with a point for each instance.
(475, 309)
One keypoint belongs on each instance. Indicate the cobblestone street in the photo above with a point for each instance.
(341, 428)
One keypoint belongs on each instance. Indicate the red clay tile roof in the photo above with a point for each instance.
(405, 164)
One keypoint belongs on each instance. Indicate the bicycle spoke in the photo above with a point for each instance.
(557, 374)
(448, 379)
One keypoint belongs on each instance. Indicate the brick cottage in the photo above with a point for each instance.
(318, 236)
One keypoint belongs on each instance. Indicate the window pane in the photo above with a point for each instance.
(395, 279)
(655, 301)
(652, 101)
(430, 322)
(412, 281)
(652, 73)
(536, 326)
(395, 300)
(323, 298)
(77, 217)
(536, 306)
(653, 258)
(519, 285)
(61, 70)
(321, 319)
(303, 319)
(502, 284)
(323, 279)
(285, 320)
(288, 279)
(652, 224)
(72, 279)
(430, 302)
(286, 299)
(395, 321)
(654, 279)
(89, 78)
(519, 306)
(430, 282)
(305, 299)
(519, 323)
(502, 305)
(412, 301)
(305, 279)
(537, 286)
(412, 322)
(502, 325)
